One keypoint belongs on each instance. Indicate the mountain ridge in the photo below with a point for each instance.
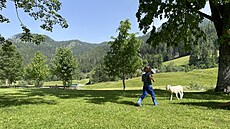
(84, 51)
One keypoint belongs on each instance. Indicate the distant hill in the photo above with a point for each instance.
(88, 54)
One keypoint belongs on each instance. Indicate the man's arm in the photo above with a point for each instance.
(151, 77)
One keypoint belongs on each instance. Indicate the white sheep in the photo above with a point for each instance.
(175, 89)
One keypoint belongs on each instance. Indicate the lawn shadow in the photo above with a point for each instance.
(36, 96)
(97, 96)
(91, 96)
(17, 99)
(127, 103)
(210, 105)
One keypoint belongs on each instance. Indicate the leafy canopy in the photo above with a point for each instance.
(182, 27)
(123, 58)
(43, 10)
(183, 18)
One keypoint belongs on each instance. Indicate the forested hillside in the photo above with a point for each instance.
(202, 52)
(89, 54)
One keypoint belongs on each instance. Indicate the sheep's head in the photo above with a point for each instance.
(168, 87)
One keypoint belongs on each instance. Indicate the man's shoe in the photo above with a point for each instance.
(139, 105)
(155, 103)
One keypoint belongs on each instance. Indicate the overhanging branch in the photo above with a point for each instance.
(206, 16)
(16, 9)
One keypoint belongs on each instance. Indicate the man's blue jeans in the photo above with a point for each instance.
(148, 90)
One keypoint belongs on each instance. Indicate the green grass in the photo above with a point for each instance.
(178, 62)
(206, 77)
(57, 108)
(106, 105)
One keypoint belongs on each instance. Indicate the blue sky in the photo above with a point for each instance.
(93, 21)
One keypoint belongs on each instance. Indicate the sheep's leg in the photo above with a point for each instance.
(177, 95)
(181, 95)
(171, 96)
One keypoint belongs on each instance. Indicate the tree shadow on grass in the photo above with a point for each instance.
(8, 100)
(91, 96)
(97, 96)
(131, 103)
(211, 105)
(36, 96)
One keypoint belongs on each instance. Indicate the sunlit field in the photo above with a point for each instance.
(178, 62)
(106, 105)
(205, 78)
(58, 108)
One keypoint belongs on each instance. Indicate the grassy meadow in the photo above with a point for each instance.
(106, 105)
(204, 78)
(179, 61)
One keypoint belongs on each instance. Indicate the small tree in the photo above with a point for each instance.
(123, 58)
(37, 70)
(64, 65)
(11, 65)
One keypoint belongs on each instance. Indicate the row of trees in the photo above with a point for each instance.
(63, 65)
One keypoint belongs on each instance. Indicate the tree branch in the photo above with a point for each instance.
(199, 12)
(206, 16)
(16, 9)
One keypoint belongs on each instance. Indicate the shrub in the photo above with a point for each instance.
(23, 83)
(195, 86)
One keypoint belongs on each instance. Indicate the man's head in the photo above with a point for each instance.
(147, 68)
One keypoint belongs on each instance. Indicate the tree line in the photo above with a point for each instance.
(203, 53)
(63, 66)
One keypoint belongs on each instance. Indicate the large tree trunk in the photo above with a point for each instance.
(223, 80)
(221, 19)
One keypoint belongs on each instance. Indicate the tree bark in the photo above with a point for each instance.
(223, 80)
(221, 19)
(123, 81)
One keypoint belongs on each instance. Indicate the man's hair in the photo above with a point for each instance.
(147, 67)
